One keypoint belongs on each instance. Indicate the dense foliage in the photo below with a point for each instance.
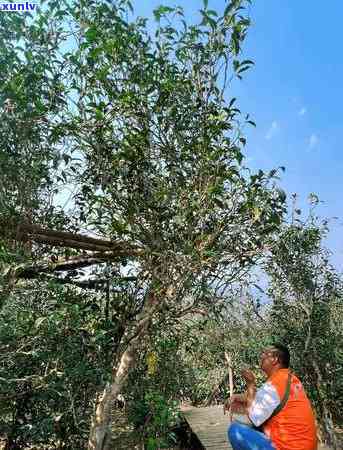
(133, 237)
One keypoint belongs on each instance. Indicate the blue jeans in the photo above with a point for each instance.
(243, 437)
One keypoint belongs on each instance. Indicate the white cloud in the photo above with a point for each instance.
(302, 111)
(313, 141)
(272, 130)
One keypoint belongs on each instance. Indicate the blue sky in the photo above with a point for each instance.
(294, 93)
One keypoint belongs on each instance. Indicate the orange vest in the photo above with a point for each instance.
(294, 427)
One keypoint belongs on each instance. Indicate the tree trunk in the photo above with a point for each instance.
(326, 425)
(100, 432)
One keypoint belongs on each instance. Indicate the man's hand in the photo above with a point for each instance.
(239, 403)
(249, 377)
(235, 404)
(250, 380)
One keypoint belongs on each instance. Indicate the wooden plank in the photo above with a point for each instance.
(210, 425)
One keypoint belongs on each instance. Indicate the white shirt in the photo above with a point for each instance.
(264, 404)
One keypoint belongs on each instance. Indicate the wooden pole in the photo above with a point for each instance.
(229, 365)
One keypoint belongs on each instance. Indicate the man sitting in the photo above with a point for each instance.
(286, 425)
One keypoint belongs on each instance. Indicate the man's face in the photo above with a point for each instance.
(268, 360)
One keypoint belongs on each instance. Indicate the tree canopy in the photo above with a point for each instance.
(131, 228)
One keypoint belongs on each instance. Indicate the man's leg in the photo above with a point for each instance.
(243, 437)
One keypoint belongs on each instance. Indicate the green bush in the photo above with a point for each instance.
(155, 416)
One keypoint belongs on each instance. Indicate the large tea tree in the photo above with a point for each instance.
(138, 120)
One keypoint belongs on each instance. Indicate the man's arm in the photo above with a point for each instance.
(240, 403)
(250, 393)
(264, 403)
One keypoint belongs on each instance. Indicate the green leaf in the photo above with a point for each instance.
(152, 444)
(129, 4)
(212, 12)
(232, 101)
(230, 7)
(243, 69)
(162, 11)
(66, 158)
(99, 114)
(39, 321)
(91, 34)
(247, 61)
(235, 43)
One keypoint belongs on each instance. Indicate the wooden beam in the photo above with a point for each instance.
(96, 284)
(67, 239)
(33, 230)
(77, 262)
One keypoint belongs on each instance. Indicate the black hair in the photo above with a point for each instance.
(283, 355)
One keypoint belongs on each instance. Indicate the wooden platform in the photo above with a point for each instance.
(210, 426)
